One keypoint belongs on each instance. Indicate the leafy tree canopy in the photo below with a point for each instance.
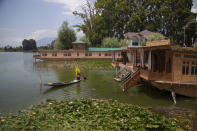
(85, 39)
(65, 38)
(113, 42)
(114, 18)
(29, 44)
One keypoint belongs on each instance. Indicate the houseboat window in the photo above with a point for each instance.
(65, 54)
(190, 56)
(99, 53)
(44, 54)
(86, 54)
(192, 71)
(185, 68)
(109, 54)
(90, 54)
(196, 70)
(118, 54)
(106, 54)
(169, 66)
(193, 68)
(177, 55)
(54, 54)
(77, 53)
(69, 54)
(161, 62)
(135, 43)
(155, 66)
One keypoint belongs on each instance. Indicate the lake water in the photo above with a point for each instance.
(21, 78)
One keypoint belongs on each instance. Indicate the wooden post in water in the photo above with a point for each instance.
(173, 94)
(195, 115)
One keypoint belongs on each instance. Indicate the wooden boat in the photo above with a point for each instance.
(58, 84)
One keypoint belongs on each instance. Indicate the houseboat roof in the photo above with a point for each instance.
(171, 47)
(79, 42)
(144, 33)
(103, 49)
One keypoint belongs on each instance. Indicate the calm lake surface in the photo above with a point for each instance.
(21, 78)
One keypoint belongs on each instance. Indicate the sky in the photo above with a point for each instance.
(38, 19)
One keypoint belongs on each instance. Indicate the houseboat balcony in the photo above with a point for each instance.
(154, 76)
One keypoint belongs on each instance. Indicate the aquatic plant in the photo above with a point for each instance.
(85, 114)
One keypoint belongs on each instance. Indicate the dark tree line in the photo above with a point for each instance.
(29, 44)
(108, 18)
(12, 49)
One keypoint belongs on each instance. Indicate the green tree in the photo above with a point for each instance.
(85, 39)
(65, 38)
(113, 42)
(51, 46)
(124, 42)
(110, 42)
(89, 26)
(116, 17)
(29, 44)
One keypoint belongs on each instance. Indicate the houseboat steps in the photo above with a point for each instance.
(123, 75)
(132, 81)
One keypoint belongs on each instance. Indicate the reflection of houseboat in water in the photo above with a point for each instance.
(164, 66)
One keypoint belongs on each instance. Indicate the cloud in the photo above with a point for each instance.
(6, 29)
(12, 41)
(79, 34)
(194, 10)
(37, 35)
(69, 5)
(42, 33)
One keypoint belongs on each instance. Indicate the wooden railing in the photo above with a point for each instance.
(149, 75)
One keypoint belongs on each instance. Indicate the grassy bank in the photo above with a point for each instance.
(86, 114)
(90, 64)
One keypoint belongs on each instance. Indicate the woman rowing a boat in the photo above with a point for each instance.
(77, 71)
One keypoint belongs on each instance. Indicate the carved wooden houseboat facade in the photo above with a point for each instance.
(165, 66)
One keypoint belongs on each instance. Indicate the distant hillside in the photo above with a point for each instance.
(44, 41)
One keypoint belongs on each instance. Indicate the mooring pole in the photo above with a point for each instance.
(173, 96)
(195, 115)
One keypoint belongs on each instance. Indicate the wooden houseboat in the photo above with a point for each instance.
(80, 51)
(164, 66)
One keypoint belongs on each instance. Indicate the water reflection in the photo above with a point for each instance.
(53, 89)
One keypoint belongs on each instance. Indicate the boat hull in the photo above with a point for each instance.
(189, 90)
(62, 83)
